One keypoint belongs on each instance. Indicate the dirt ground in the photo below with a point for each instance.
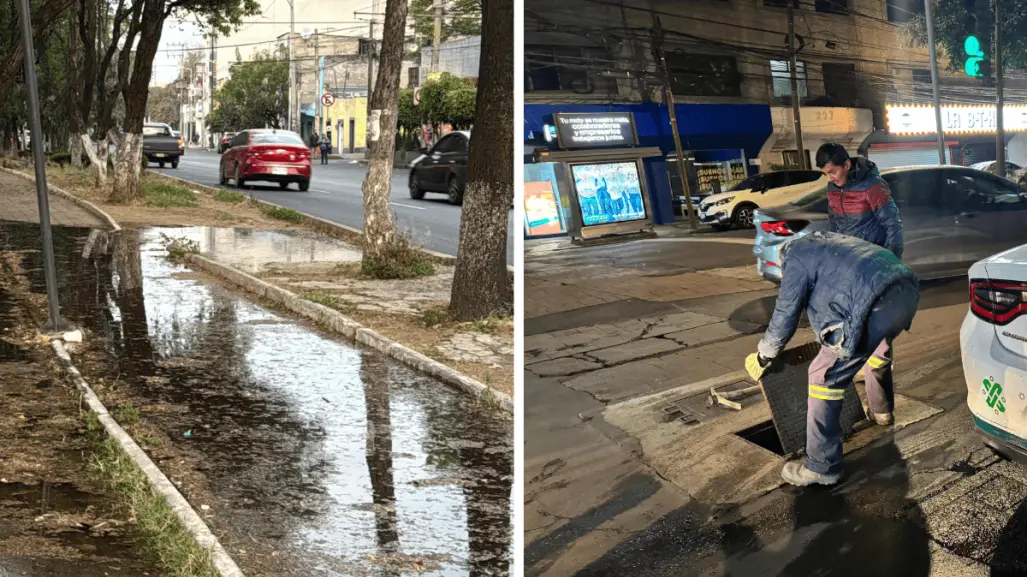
(54, 520)
(411, 312)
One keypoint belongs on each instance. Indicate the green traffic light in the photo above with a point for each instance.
(972, 46)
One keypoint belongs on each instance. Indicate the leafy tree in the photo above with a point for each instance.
(951, 30)
(459, 106)
(256, 95)
(433, 106)
(165, 104)
(459, 18)
(409, 115)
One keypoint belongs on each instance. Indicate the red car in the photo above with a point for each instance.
(266, 155)
(226, 142)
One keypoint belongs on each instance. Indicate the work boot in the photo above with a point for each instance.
(882, 419)
(796, 473)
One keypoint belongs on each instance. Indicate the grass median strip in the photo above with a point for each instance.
(280, 213)
(166, 195)
(162, 536)
(230, 196)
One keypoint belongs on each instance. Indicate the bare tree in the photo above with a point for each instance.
(379, 230)
(481, 284)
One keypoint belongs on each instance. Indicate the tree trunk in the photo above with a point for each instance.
(379, 230)
(10, 63)
(75, 148)
(97, 158)
(127, 167)
(481, 284)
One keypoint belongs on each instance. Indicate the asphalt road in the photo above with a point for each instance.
(335, 195)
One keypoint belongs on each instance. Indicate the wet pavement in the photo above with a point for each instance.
(316, 457)
(252, 250)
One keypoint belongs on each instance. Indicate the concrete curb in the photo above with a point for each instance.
(85, 204)
(329, 227)
(349, 328)
(188, 516)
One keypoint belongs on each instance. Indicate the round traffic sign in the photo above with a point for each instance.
(328, 99)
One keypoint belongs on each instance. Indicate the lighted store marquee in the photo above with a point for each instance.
(955, 119)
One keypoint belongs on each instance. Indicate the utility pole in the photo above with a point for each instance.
(796, 121)
(370, 62)
(55, 324)
(292, 68)
(437, 38)
(929, 16)
(668, 98)
(1000, 135)
(317, 93)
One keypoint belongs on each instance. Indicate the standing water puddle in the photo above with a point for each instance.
(251, 250)
(340, 461)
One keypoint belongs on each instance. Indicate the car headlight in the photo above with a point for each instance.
(721, 202)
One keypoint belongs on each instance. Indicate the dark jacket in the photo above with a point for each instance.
(836, 279)
(864, 208)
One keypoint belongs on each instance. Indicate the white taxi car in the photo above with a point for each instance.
(993, 344)
(736, 207)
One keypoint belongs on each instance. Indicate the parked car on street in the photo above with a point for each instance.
(951, 216)
(736, 207)
(161, 146)
(991, 166)
(442, 169)
(226, 142)
(266, 155)
(993, 347)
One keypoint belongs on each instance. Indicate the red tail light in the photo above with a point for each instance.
(997, 302)
(776, 227)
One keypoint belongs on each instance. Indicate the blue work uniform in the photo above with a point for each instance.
(858, 297)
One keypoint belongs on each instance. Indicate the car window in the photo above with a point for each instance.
(239, 140)
(984, 193)
(747, 184)
(775, 180)
(276, 138)
(804, 176)
(914, 189)
(448, 144)
(152, 130)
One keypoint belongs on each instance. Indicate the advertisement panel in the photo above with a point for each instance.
(905, 120)
(589, 130)
(608, 192)
(541, 211)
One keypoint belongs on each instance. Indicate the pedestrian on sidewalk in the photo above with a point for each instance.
(859, 297)
(323, 144)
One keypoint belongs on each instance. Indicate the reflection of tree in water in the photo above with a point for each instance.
(478, 444)
(135, 350)
(374, 373)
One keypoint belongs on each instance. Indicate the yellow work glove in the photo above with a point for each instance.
(755, 367)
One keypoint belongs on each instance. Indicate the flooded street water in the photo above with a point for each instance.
(320, 458)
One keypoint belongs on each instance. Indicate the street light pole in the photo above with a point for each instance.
(292, 67)
(55, 324)
(929, 16)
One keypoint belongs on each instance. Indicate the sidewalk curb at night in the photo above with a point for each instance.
(85, 204)
(329, 227)
(340, 323)
(190, 519)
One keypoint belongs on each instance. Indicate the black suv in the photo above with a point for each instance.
(442, 169)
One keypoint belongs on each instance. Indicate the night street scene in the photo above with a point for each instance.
(256, 288)
(775, 287)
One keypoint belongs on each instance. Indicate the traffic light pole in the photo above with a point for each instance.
(929, 16)
(1000, 134)
(55, 324)
(796, 116)
(668, 99)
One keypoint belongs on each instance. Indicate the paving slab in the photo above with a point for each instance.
(563, 367)
(635, 350)
(713, 332)
(20, 205)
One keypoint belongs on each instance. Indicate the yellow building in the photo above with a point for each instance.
(349, 124)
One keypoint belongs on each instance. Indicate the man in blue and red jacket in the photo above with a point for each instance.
(860, 201)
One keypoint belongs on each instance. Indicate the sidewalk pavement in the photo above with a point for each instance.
(20, 205)
(628, 472)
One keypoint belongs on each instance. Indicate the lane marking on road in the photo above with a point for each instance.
(318, 190)
(409, 206)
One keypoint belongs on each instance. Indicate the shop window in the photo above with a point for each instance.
(900, 11)
(831, 7)
(703, 74)
(568, 69)
(781, 74)
(791, 158)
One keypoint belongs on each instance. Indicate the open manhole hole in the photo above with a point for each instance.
(765, 435)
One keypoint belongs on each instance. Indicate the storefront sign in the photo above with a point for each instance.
(587, 130)
(915, 119)
(541, 212)
(608, 192)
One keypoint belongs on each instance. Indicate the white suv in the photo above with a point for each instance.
(736, 207)
(993, 345)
